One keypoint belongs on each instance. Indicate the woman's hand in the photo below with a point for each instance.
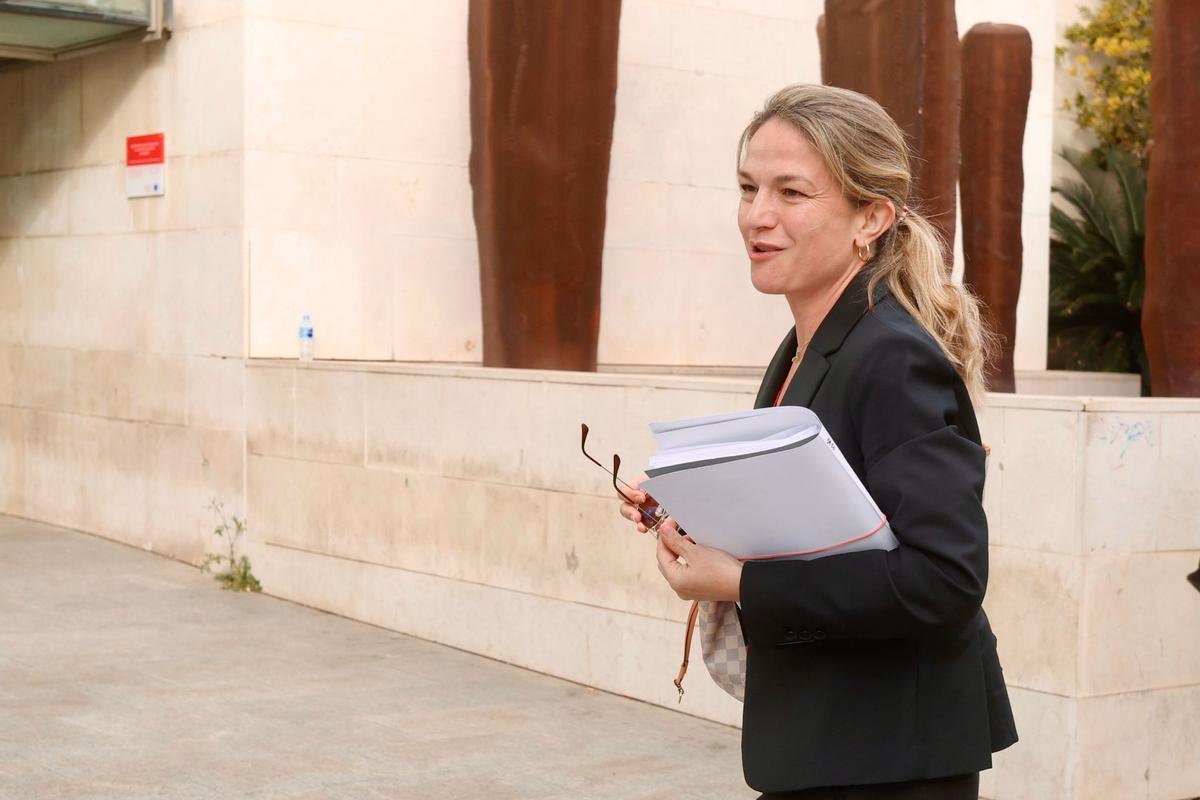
(694, 571)
(630, 511)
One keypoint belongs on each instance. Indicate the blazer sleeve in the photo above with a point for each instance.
(927, 476)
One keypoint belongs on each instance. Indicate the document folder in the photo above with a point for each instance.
(769, 483)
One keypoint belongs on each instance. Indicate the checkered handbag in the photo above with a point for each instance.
(721, 643)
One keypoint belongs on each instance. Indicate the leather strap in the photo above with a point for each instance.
(687, 646)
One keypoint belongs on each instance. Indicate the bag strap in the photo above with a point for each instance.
(687, 646)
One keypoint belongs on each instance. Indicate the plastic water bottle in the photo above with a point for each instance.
(306, 338)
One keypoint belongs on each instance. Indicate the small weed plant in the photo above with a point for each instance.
(236, 575)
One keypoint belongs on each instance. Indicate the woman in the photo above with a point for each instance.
(871, 674)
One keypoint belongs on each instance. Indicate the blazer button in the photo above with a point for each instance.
(818, 635)
(789, 635)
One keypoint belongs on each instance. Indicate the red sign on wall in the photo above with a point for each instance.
(146, 149)
(145, 165)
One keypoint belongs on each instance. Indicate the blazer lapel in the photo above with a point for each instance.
(833, 330)
(807, 380)
(781, 364)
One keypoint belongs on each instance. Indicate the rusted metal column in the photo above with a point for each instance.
(1171, 309)
(997, 71)
(543, 95)
(904, 54)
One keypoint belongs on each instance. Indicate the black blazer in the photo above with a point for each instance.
(874, 667)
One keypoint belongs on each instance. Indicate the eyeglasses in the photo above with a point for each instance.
(652, 516)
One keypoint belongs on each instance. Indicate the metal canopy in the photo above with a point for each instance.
(50, 30)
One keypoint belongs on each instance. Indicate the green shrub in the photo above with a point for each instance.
(1112, 53)
(1097, 265)
(237, 576)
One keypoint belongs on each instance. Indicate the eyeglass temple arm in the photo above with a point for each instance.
(653, 520)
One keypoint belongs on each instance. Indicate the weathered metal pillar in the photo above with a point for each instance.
(543, 96)
(997, 71)
(1171, 309)
(904, 54)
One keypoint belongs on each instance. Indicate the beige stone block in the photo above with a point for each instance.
(715, 110)
(185, 469)
(195, 15)
(270, 411)
(711, 280)
(12, 360)
(128, 385)
(329, 415)
(1174, 731)
(1124, 472)
(289, 502)
(196, 291)
(701, 219)
(158, 390)
(306, 86)
(14, 423)
(431, 320)
(1041, 764)
(1140, 617)
(205, 71)
(53, 459)
(1033, 601)
(169, 212)
(289, 190)
(98, 202)
(649, 141)
(554, 459)
(632, 278)
(52, 99)
(371, 518)
(102, 460)
(1029, 351)
(216, 391)
(378, 315)
(113, 103)
(86, 292)
(402, 421)
(641, 44)
(1040, 457)
(445, 524)
(469, 439)
(991, 428)
(1114, 747)
(12, 306)
(720, 42)
(292, 273)
(215, 191)
(44, 378)
(310, 11)
(49, 203)
(432, 200)
(637, 215)
(1177, 500)
(618, 417)
(397, 63)
(592, 555)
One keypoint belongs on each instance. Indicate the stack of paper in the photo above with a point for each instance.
(768, 483)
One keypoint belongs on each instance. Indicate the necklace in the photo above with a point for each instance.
(796, 358)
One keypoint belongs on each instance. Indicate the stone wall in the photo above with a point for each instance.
(452, 503)
(121, 321)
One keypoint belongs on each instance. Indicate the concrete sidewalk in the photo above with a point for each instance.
(127, 675)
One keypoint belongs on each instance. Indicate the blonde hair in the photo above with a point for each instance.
(866, 153)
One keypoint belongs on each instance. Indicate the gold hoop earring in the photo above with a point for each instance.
(864, 253)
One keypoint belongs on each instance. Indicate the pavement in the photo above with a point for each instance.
(128, 675)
